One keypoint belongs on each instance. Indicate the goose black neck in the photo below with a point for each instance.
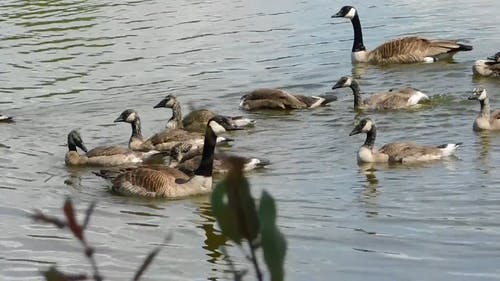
(370, 137)
(136, 128)
(71, 146)
(358, 35)
(207, 158)
(357, 94)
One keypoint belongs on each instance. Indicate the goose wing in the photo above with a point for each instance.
(274, 98)
(409, 151)
(148, 182)
(173, 135)
(413, 49)
(196, 120)
(107, 151)
(495, 115)
(388, 100)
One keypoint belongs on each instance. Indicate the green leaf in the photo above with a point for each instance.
(226, 218)
(273, 242)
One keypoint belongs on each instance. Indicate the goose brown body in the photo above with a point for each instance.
(196, 120)
(164, 140)
(489, 67)
(102, 155)
(168, 182)
(401, 152)
(486, 119)
(267, 98)
(412, 49)
(393, 99)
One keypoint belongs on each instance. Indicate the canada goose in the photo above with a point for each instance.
(489, 67)
(184, 158)
(102, 155)
(279, 99)
(402, 50)
(404, 152)
(196, 120)
(169, 182)
(5, 118)
(392, 99)
(165, 140)
(486, 120)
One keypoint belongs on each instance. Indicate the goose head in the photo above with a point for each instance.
(128, 116)
(346, 12)
(221, 123)
(495, 58)
(343, 82)
(75, 140)
(479, 94)
(363, 126)
(167, 102)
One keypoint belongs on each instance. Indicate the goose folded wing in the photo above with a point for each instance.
(107, 151)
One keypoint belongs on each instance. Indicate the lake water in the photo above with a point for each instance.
(77, 64)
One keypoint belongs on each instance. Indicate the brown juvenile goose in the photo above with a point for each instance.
(392, 99)
(489, 67)
(486, 120)
(280, 99)
(403, 50)
(165, 140)
(184, 158)
(404, 152)
(196, 120)
(102, 155)
(169, 182)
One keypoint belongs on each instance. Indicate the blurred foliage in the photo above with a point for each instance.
(234, 209)
(78, 230)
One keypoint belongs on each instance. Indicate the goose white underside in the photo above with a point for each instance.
(360, 56)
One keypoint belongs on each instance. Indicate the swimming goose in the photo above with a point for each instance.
(280, 99)
(5, 118)
(402, 50)
(486, 120)
(196, 120)
(165, 140)
(169, 182)
(404, 152)
(184, 158)
(102, 155)
(392, 99)
(489, 67)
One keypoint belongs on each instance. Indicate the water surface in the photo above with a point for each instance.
(77, 64)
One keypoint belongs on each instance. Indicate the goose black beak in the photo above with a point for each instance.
(162, 103)
(337, 15)
(472, 98)
(355, 131)
(119, 119)
(337, 86)
(82, 146)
